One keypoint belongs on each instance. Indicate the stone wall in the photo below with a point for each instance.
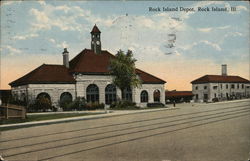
(31, 91)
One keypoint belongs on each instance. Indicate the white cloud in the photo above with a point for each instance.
(52, 40)
(5, 3)
(64, 8)
(215, 46)
(11, 50)
(64, 44)
(224, 27)
(41, 2)
(40, 15)
(24, 37)
(209, 29)
(45, 19)
(190, 46)
(231, 34)
(205, 29)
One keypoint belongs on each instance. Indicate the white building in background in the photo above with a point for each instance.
(86, 75)
(210, 88)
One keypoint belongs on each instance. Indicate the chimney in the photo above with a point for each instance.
(66, 58)
(224, 69)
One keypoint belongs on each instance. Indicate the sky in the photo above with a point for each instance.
(176, 46)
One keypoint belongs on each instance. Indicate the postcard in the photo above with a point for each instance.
(124, 80)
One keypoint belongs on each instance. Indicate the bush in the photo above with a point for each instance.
(78, 104)
(94, 106)
(215, 100)
(124, 105)
(155, 104)
(41, 105)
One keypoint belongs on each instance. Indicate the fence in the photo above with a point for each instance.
(12, 111)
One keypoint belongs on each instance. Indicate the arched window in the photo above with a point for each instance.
(157, 95)
(127, 94)
(23, 97)
(144, 96)
(66, 97)
(15, 96)
(92, 93)
(43, 95)
(110, 94)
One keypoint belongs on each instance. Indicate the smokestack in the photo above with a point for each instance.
(224, 69)
(66, 58)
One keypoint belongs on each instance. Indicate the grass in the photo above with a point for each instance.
(137, 108)
(43, 117)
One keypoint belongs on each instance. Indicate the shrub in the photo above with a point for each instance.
(42, 104)
(155, 104)
(78, 104)
(94, 106)
(124, 105)
(215, 100)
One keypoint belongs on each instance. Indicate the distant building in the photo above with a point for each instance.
(178, 96)
(220, 87)
(86, 75)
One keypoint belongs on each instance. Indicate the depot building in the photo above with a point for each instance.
(86, 75)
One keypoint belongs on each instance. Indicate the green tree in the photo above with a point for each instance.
(122, 68)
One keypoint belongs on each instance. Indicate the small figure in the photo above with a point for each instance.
(174, 103)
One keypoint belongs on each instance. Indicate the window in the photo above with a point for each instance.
(197, 96)
(43, 95)
(242, 86)
(110, 94)
(226, 86)
(92, 93)
(205, 96)
(127, 94)
(238, 86)
(144, 96)
(232, 86)
(65, 98)
(157, 96)
(215, 95)
(215, 87)
(196, 87)
(23, 97)
(205, 87)
(220, 86)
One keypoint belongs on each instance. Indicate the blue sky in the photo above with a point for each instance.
(35, 32)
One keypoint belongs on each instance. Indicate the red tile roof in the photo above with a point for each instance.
(46, 74)
(91, 63)
(169, 94)
(95, 30)
(220, 79)
(148, 78)
(88, 62)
